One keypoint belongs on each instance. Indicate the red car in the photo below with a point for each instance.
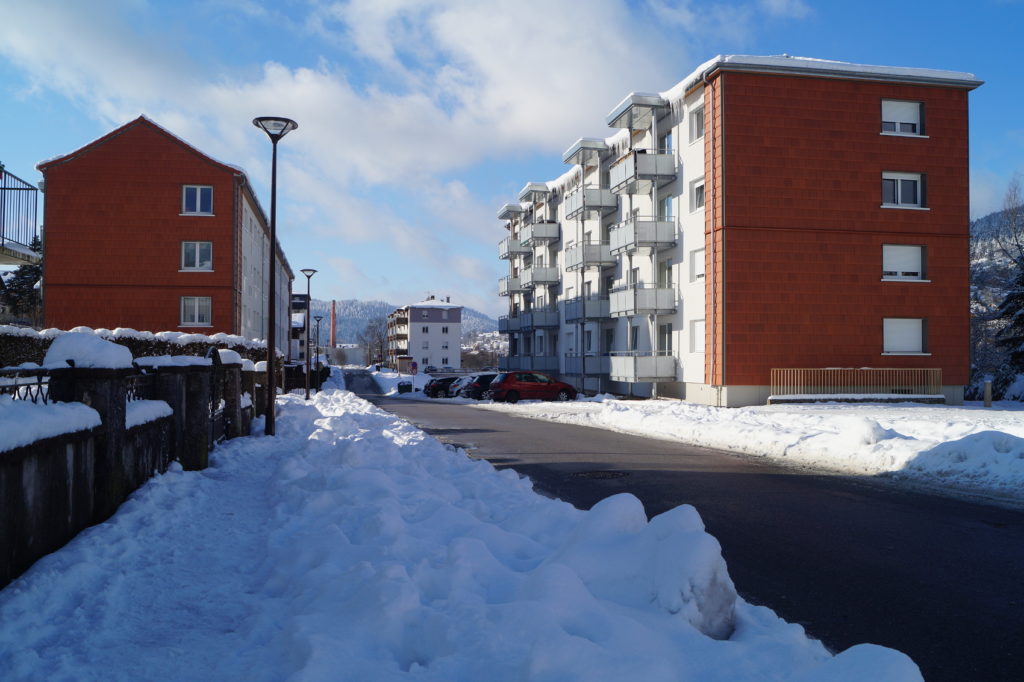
(512, 387)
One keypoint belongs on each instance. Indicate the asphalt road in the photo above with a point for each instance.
(850, 559)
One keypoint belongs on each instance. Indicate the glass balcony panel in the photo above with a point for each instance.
(509, 285)
(639, 232)
(509, 323)
(576, 364)
(589, 199)
(538, 319)
(539, 232)
(542, 363)
(642, 366)
(585, 255)
(590, 308)
(634, 173)
(532, 277)
(509, 247)
(642, 300)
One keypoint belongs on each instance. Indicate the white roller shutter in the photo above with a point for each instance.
(903, 335)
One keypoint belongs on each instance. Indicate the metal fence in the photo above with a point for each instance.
(18, 202)
(26, 384)
(856, 381)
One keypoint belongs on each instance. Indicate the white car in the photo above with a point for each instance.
(456, 386)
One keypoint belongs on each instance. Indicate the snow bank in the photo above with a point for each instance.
(969, 448)
(353, 546)
(25, 422)
(86, 350)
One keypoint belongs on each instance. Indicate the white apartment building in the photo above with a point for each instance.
(735, 227)
(428, 333)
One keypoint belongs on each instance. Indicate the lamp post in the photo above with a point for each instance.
(318, 318)
(308, 272)
(275, 127)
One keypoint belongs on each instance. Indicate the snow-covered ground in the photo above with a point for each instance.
(969, 450)
(351, 546)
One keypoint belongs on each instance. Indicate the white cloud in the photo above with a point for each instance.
(795, 9)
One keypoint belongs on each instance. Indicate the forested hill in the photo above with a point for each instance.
(353, 316)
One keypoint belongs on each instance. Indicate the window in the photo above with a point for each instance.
(665, 208)
(696, 336)
(697, 194)
(425, 361)
(444, 314)
(588, 341)
(426, 345)
(903, 190)
(609, 340)
(903, 262)
(697, 123)
(904, 336)
(424, 314)
(634, 337)
(444, 361)
(665, 143)
(696, 265)
(665, 273)
(196, 311)
(425, 329)
(197, 200)
(444, 330)
(197, 255)
(665, 337)
(444, 345)
(900, 117)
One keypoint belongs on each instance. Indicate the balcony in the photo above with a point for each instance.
(635, 172)
(509, 285)
(509, 323)
(640, 232)
(642, 366)
(541, 363)
(510, 211)
(510, 363)
(539, 233)
(532, 277)
(401, 336)
(587, 255)
(640, 299)
(510, 247)
(576, 364)
(534, 193)
(584, 199)
(398, 350)
(589, 308)
(540, 319)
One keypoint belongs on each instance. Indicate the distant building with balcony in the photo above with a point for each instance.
(428, 333)
(145, 231)
(18, 229)
(765, 216)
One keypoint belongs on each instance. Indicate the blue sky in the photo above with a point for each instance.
(419, 118)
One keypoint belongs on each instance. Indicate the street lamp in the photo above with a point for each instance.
(318, 318)
(275, 127)
(308, 272)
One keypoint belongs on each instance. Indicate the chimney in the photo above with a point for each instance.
(448, 299)
(334, 339)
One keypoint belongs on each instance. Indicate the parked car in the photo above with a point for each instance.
(455, 388)
(429, 369)
(438, 388)
(512, 387)
(477, 384)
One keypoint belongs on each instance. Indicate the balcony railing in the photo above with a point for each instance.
(509, 247)
(18, 202)
(398, 321)
(589, 254)
(540, 318)
(638, 169)
(541, 363)
(398, 337)
(638, 232)
(640, 299)
(584, 199)
(509, 285)
(857, 381)
(538, 233)
(532, 277)
(587, 308)
(642, 366)
(509, 323)
(576, 364)
(510, 363)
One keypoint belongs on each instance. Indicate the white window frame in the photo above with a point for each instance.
(191, 309)
(905, 336)
(696, 132)
(898, 179)
(426, 345)
(697, 265)
(666, 208)
(194, 247)
(902, 113)
(697, 336)
(425, 329)
(697, 191)
(198, 189)
(904, 263)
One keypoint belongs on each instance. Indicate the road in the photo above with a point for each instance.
(849, 559)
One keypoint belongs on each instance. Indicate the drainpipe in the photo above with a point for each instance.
(709, 129)
(654, 254)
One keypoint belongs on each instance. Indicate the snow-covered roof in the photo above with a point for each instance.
(635, 110)
(507, 211)
(532, 189)
(434, 303)
(582, 147)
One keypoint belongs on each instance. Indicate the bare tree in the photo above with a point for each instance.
(1009, 234)
(374, 339)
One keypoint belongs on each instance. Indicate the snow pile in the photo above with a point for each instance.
(352, 546)
(969, 448)
(229, 357)
(155, 361)
(25, 422)
(86, 350)
(388, 380)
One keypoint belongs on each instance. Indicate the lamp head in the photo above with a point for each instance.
(308, 272)
(275, 126)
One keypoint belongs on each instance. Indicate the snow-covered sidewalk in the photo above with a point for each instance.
(351, 546)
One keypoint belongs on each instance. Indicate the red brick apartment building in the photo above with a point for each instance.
(142, 230)
(766, 213)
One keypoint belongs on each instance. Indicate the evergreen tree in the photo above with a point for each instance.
(1011, 312)
(20, 293)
